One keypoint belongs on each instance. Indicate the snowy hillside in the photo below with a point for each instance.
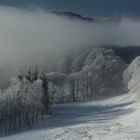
(116, 118)
(112, 118)
(67, 76)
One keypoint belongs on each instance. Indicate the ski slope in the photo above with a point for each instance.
(117, 118)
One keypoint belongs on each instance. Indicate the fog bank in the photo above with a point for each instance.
(28, 37)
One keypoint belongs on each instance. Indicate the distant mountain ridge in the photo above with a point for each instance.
(77, 16)
(73, 15)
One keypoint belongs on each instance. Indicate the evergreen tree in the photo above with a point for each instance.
(45, 97)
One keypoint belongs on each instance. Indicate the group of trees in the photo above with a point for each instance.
(24, 102)
(94, 72)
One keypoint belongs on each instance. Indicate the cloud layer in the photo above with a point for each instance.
(28, 37)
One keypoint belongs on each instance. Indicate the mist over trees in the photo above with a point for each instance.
(91, 73)
(31, 35)
(85, 75)
(68, 63)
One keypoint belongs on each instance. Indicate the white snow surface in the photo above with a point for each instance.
(116, 118)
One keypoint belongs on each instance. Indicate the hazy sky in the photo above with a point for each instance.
(86, 7)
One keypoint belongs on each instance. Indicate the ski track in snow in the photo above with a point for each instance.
(117, 118)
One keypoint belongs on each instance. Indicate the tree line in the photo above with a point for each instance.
(93, 72)
(24, 102)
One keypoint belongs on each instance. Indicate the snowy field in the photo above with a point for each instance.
(117, 118)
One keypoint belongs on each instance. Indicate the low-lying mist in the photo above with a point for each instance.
(29, 37)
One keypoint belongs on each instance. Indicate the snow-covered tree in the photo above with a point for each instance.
(101, 67)
(24, 102)
(57, 83)
(21, 105)
(132, 77)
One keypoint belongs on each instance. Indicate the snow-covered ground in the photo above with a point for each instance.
(117, 118)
